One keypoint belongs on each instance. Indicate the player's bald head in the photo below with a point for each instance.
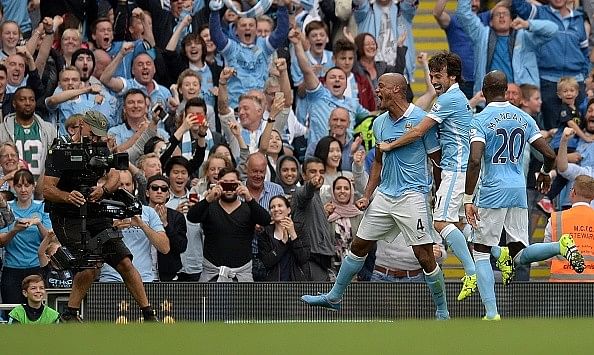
(494, 85)
(394, 79)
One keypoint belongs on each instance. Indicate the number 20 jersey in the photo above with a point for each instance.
(505, 130)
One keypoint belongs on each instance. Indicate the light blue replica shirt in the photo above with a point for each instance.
(140, 247)
(453, 113)
(159, 95)
(504, 129)
(405, 168)
(321, 103)
(104, 103)
(21, 251)
(251, 63)
(297, 76)
(125, 68)
(122, 133)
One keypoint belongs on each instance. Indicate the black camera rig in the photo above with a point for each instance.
(87, 161)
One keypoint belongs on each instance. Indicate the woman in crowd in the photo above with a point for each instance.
(329, 150)
(192, 56)
(288, 176)
(210, 172)
(272, 153)
(10, 163)
(282, 251)
(188, 87)
(345, 217)
(21, 239)
(69, 43)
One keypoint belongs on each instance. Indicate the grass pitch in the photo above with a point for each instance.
(510, 336)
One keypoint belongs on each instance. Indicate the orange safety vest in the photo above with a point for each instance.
(577, 221)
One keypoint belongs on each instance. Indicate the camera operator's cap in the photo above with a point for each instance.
(97, 121)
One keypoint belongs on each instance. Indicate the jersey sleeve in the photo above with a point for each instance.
(431, 141)
(440, 110)
(477, 134)
(532, 130)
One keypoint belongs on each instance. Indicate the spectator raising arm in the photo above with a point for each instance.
(441, 16)
(116, 84)
(309, 77)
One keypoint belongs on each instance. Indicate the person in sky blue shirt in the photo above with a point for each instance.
(140, 234)
(143, 70)
(320, 58)
(402, 179)
(322, 99)
(497, 137)
(453, 114)
(249, 55)
(103, 37)
(22, 238)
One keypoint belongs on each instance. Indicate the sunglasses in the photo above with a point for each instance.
(157, 188)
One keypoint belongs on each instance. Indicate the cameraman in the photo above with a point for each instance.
(61, 191)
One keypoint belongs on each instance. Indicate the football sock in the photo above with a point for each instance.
(436, 284)
(457, 243)
(486, 282)
(350, 266)
(537, 252)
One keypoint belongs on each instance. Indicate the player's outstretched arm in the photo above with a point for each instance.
(410, 136)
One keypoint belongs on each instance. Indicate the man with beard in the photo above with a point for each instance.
(229, 226)
(72, 96)
(322, 99)
(31, 134)
(452, 113)
(400, 204)
(143, 70)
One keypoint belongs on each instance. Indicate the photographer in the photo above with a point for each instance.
(228, 225)
(63, 191)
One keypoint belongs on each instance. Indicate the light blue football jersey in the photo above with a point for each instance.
(505, 130)
(454, 115)
(405, 168)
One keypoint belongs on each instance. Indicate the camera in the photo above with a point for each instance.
(229, 186)
(84, 163)
(86, 156)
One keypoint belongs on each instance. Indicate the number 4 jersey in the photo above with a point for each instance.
(505, 130)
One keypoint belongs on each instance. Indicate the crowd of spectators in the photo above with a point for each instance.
(240, 131)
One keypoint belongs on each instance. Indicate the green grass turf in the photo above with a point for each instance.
(510, 336)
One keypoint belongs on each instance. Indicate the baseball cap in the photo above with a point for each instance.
(97, 121)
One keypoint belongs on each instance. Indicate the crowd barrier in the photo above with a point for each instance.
(279, 302)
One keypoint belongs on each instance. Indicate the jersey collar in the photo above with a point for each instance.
(499, 104)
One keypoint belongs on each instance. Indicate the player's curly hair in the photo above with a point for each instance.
(448, 60)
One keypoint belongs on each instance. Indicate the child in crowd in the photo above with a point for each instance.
(569, 116)
(34, 311)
